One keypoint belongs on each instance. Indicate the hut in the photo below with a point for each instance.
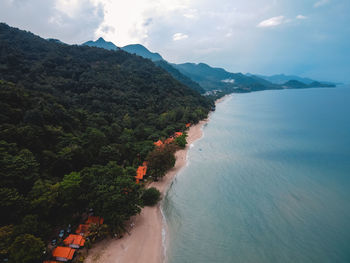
(74, 241)
(158, 143)
(188, 125)
(63, 253)
(178, 134)
(140, 173)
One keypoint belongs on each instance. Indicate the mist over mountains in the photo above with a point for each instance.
(206, 79)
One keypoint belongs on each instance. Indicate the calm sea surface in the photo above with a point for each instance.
(268, 182)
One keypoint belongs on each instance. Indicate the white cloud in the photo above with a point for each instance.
(321, 3)
(301, 17)
(231, 81)
(272, 22)
(179, 36)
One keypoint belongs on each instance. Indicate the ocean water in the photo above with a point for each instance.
(268, 182)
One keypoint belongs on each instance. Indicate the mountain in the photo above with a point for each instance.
(142, 51)
(281, 78)
(101, 43)
(180, 77)
(217, 78)
(295, 84)
(75, 123)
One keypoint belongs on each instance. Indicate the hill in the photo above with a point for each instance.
(101, 43)
(211, 78)
(142, 51)
(295, 84)
(76, 121)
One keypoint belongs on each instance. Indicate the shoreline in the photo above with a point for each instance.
(146, 239)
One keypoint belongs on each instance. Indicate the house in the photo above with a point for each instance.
(178, 134)
(82, 230)
(63, 253)
(74, 241)
(94, 220)
(169, 140)
(188, 125)
(140, 173)
(158, 143)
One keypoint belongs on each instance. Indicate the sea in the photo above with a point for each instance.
(268, 182)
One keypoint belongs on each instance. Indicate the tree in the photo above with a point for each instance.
(151, 196)
(181, 140)
(6, 239)
(26, 249)
(161, 160)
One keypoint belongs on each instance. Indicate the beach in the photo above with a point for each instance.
(144, 242)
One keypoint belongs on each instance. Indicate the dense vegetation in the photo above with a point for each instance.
(75, 123)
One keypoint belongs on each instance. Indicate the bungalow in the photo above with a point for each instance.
(74, 241)
(177, 134)
(158, 143)
(140, 173)
(63, 253)
(94, 220)
(82, 229)
(169, 140)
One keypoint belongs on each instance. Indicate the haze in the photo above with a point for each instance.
(308, 38)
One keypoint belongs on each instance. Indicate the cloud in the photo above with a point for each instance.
(301, 17)
(272, 22)
(179, 36)
(321, 3)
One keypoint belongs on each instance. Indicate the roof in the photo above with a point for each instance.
(51, 261)
(188, 125)
(63, 252)
(158, 143)
(94, 220)
(178, 134)
(141, 172)
(169, 140)
(82, 229)
(74, 240)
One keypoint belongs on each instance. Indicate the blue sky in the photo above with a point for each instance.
(304, 37)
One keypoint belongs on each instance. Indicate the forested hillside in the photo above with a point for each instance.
(75, 122)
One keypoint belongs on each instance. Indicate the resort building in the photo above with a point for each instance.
(63, 253)
(74, 241)
(140, 173)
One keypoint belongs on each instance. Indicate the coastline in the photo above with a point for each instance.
(145, 240)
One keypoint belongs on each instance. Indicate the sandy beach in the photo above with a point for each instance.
(144, 242)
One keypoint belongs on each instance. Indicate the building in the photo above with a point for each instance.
(140, 173)
(178, 134)
(74, 241)
(82, 230)
(158, 143)
(169, 140)
(94, 220)
(63, 254)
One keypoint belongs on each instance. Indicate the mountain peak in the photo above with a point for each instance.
(101, 43)
(142, 51)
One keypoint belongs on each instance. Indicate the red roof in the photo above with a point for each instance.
(169, 140)
(141, 172)
(74, 240)
(178, 134)
(63, 252)
(82, 229)
(158, 143)
(94, 220)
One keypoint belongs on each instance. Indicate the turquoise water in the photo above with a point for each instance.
(268, 182)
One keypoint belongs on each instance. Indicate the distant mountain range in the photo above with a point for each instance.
(205, 79)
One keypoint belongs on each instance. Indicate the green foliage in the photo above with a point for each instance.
(161, 160)
(151, 196)
(26, 249)
(181, 140)
(75, 122)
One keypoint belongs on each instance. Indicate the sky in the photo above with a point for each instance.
(309, 38)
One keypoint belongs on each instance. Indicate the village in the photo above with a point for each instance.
(74, 242)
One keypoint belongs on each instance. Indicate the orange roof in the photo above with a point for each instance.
(94, 220)
(188, 125)
(141, 172)
(82, 229)
(158, 143)
(63, 252)
(50, 261)
(74, 240)
(169, 140)
(144, 163)
(178, 134)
